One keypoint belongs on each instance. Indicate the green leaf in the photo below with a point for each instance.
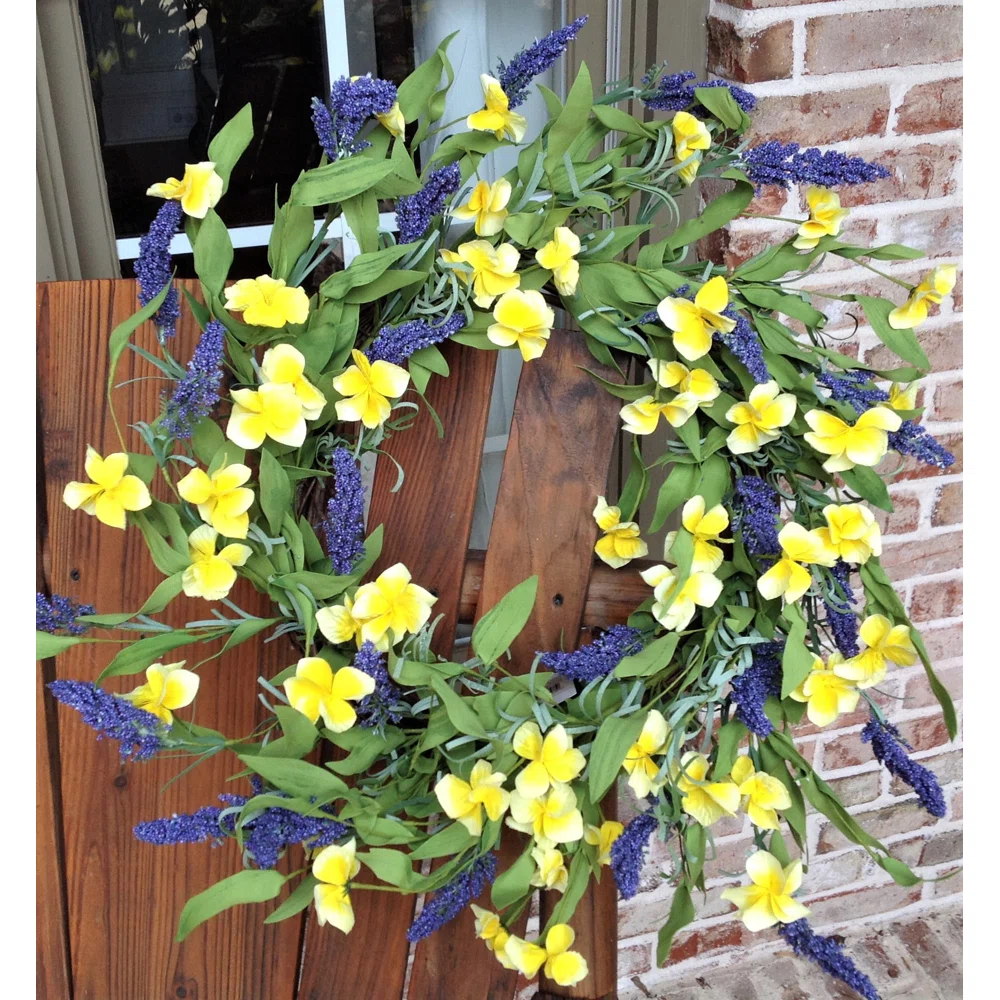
(338, 181)
(678, 487)
(230, 142)
(576, 886)
(296, 776)
(717, 213)
(213, 254)
(651, 660)
(275, 490)
(572, 118)
(207, 439)
(320, 585)
(719, 100)
(290, 238)
(452, 840)
(514, 883)
(296, 902)
(901, 342)
(135, 658)
(47, 645)
(299, 735)
(620, 121)
(890, 251)
(380, 830)
(788, 303)
(391, 281)
(123, 331)
(415, 92)
(364, 269)
(681, 914)
(867, 483)
(243, 887)
(391, 867)
(616, 735)
(166, 558)
(501, 625)
(797, 659)
(731, 735)
(459, 711)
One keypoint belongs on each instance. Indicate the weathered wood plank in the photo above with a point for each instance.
(123, 897)
(427, 525)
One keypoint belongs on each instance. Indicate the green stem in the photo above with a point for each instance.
(882, 274)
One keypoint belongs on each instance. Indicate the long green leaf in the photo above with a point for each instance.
(243, 887)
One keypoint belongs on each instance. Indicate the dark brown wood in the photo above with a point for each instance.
(123, 897)
(427, 525)
(611, 597)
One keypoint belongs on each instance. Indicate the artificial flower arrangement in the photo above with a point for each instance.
(753, 618)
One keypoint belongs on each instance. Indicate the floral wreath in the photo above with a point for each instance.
(752, 619)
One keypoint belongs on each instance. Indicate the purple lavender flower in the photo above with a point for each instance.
(154, 267)
(396, 343)
(375, 710)
(890, 749)
(344, 524)
(515, 77)
(183, 828)
(843, 624)
(674, 92)
(198, 391)
(746, 345)
(351, 104)
(761, 680)
(755, 515)
(913, 439)
(627, 853)
(449, 901)
(854, 388)
(60, 612)
(140, 733)
(415, 211)
(597, 658)
(779, 163)
(266, 836)
(828, 955)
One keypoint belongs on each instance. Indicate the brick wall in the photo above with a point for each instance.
(882, 80)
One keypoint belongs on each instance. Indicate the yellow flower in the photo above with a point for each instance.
(492, 931)
(316, 690)
(760, 419)
(639, 764)
(788, 577)
(768, 901)
(367, 389)
(851, 531)
(110, 493)
(465, 800)
(211, 575)
(334, 867)
(827, 694)
(602, 838)
(267, 301)
(553, 759)
(393, 121)
(272, 411)
(701, 589)
(284, 365)
(690, 137)
(825, 217)
(552, 817)
(524, 319)
(199, 190)
(762, 794)
(494, 271)
(694, 382)
(863, 443)
(497, 117)
(886, 644)
(392, 606)
(693, 323)
(487, 205)
(562, 966)
(903, 397)
(167, 688)
(642, 416)
(222, 499)
(706, 527)
(340, 625)
(559, 257)
(706, 801)
(620, 543)
(551, 872)
(935, 286)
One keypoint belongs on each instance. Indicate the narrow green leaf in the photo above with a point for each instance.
(230, 142)
(612, 743)
(243, 887)
(459, 711)
(501, 625)
(681, 914)
(300, 898)
(275, 490)
(135, 658)
(797, 659)
(651, 660)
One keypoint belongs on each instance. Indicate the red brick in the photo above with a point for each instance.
(857, 788)
(948, 401)
(886, 822)
(956, 804)
(957, 294)
(912, 469)
(924, 556)
(942, 345)
(947, 507)
(752, 56)
(761, 4)
(845, 751)
(948, 886)
(947, 768)
(931, 107)
(729, 935)
(939, 230)
(903, 519)
(770, 201)
(915, 173)
(925, 734)
(634, 959)
(849, 906)
(823, 117)
(939, 599)
(870, 40)
(943, 643)
(920, 695)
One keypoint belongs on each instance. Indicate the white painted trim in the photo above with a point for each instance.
(335, 26)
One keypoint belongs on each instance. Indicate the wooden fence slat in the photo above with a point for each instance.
(123, 897)
(427, 525)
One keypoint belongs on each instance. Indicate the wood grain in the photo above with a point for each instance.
(124, 897)
(427, 525)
